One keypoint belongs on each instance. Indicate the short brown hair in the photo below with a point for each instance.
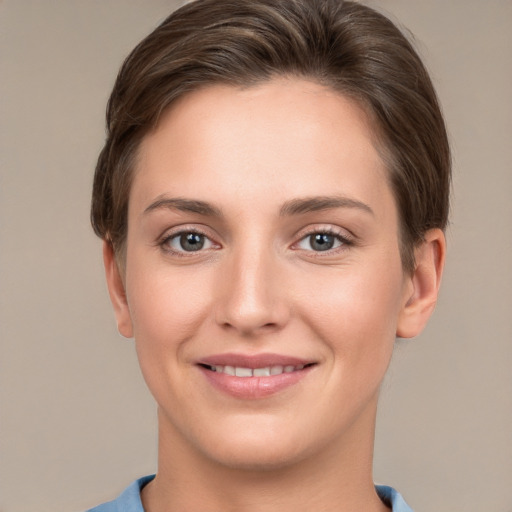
(344, 45)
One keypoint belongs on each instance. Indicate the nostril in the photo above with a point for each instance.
(248, 328)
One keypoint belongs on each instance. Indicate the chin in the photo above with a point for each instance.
(259, 445)
(244, 442)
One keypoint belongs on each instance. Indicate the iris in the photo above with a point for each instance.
(322, 241)
(191, 241)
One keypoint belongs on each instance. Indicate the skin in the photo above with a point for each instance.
(259, 286)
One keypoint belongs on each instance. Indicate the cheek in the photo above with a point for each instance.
(161, 301)
(355, 310)
(167, 310)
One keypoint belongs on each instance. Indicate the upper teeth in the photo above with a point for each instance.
(266, 371)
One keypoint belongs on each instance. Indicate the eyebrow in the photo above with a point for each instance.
(184, 205)
(318, 203)
(293, 207)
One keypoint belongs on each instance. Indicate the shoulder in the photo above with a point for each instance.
(392, 498)
(128, 500)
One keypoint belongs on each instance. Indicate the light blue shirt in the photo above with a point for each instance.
(129, 499)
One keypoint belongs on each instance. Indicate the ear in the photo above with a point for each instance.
(422, 286)
(117, 292)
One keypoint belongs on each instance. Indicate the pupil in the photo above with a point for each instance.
(192, 242)
(322, 242)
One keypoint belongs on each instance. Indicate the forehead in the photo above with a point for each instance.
(281, 138)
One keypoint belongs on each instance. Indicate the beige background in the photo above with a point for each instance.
(77, 424)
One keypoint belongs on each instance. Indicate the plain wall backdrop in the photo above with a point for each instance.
(77, 423)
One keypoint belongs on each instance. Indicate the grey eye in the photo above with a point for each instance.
(189, 242)
(320, 242)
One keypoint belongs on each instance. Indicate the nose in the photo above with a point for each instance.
(251, 298)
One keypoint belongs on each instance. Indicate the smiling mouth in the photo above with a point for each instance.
(266, 371)
(250, 377)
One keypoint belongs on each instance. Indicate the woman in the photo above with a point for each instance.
(272, 197)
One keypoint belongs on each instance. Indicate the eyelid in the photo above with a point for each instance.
(176, 231)
(345, 236)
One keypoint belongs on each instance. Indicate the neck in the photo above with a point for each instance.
(336, 479)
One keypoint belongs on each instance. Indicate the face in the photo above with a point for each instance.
(263, 279)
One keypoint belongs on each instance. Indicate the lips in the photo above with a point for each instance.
(253, 376)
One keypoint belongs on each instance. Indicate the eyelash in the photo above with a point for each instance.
(165, 246)
(344, 240)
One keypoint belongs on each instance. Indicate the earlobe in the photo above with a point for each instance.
(116, 290)
(423, 285)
